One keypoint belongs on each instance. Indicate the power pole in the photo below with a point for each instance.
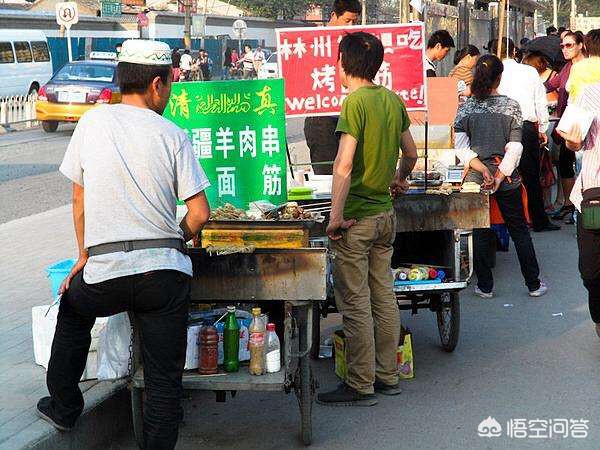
(573, 15)
(187, 24)
(555, 13)
(364, 12)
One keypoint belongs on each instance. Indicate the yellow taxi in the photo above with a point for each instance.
(77, 87)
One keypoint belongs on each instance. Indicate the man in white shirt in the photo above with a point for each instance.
(259, 59)
(185, 64)
(523, 84)
(129, 166)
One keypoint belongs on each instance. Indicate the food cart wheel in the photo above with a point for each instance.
(448, 319)
(304, 383)
(137, 414)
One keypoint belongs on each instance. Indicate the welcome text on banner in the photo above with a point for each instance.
(308, 61)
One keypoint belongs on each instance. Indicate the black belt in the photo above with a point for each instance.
(128, 246)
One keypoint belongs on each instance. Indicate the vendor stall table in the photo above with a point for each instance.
(432, 230)
(291, 279)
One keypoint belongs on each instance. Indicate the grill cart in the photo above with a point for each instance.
(285, 281)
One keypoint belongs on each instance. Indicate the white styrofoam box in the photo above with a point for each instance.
(320, 183)
(43, 326)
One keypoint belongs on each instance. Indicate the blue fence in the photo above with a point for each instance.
(214, 47)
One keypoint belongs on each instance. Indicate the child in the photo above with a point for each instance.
(373, 126)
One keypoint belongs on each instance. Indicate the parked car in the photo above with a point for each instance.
(25, 62)
(77, 87)
(269, 69)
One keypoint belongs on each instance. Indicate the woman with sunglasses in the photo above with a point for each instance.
(572, 49)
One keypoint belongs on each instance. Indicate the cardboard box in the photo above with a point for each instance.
(404, 356)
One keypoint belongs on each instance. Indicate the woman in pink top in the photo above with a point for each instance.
(572, 48)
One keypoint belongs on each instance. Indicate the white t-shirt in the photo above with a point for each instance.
(133, 164)
(185, 63)
(259, 56)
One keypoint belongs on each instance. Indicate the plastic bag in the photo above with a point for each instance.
(113, 348)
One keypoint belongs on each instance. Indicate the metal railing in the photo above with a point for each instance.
(18, 109)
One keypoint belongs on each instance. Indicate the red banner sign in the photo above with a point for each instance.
(308, 63)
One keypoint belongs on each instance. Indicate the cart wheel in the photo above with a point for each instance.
(448, 319)
(137, 414)
(304, 383)
(306, 399)
(316, 330)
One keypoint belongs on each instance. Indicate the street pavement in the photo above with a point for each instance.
(518, 358)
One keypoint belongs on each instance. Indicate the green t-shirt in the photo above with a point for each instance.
(376, 118)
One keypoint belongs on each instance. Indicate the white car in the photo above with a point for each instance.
(25, 62)
(269, 69)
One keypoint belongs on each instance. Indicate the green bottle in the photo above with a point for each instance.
(231, 342)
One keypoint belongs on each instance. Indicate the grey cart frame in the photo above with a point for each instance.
(293, 279)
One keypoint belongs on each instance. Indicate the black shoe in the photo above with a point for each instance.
(344, 395)
(387, 389)
(548, 227)
(44, 410)
(563, 212)
(569, 220)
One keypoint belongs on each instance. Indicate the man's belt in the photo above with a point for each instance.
(128, 246)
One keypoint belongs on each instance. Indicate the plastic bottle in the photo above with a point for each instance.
(231, 342)
(207, 355)
(402, 274)
(414, 275)
(273, 350)
(256, 343)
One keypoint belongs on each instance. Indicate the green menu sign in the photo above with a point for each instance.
(237, 129)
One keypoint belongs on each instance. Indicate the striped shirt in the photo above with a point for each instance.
(589, 99)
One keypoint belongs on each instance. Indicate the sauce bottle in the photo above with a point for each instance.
(208, 356)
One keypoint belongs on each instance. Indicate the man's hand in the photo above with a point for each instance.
(573, 138)
(335, 227)
(78, 267)
(543, 138)
(488, 179)
(399, 186)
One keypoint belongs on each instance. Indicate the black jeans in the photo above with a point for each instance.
(511, 207)
(588, 242)
(160, 301)
(529, 168)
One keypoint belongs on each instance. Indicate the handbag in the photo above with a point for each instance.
(590, 209)
(547, 177)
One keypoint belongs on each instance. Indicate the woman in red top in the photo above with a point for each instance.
(572, 48)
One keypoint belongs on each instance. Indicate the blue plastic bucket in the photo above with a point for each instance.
(57, 272)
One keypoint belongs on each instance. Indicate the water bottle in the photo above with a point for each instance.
(231, 342)
(273, 350)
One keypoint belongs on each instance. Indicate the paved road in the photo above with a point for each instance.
(29, 179)
(518, 358)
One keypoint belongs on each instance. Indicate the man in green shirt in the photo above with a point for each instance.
(373, 126)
